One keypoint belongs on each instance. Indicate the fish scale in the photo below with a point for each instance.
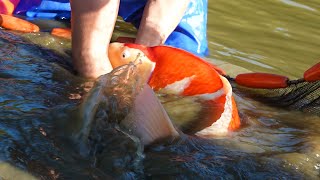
(172, 67)
(187, 76)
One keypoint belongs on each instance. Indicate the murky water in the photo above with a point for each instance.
(278, 36)
(38, 93)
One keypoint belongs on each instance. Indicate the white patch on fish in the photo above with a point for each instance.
(212, 96)
(220, 127)
(177, 87)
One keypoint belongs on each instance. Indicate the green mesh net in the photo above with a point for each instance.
(299, 95)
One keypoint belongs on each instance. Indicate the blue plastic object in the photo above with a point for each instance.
(190, 34)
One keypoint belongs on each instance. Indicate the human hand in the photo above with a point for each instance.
(160, 18)
(92, 65)
(92, 25)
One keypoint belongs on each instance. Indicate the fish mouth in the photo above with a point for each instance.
(124, 101)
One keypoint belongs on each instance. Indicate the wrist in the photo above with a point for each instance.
(151, 34)
(91, 64)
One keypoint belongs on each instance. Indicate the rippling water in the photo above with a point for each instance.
(38, 92)
(278, 36)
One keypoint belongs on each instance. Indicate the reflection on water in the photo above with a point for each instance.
(296, 4)
(38, 90)
(284, 36)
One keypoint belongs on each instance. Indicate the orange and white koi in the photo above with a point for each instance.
(182, 73)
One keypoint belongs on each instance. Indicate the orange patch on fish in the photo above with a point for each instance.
(173, 64)
(222, 111)
(188, 75)
(235, 121)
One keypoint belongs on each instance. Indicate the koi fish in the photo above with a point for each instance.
(133, 104)
(182, 73)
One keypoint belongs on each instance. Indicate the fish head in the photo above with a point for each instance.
(120, 54)
(147, 118)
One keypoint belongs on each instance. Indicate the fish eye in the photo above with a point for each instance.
(125, 54)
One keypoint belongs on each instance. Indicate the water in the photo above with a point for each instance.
(269, 36)
(39, 93)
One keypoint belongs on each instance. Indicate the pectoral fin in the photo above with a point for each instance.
(148, 120)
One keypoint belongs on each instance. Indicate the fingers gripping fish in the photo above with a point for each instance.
(181, 73)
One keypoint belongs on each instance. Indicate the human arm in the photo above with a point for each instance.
(92, 26)
(160, 18)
